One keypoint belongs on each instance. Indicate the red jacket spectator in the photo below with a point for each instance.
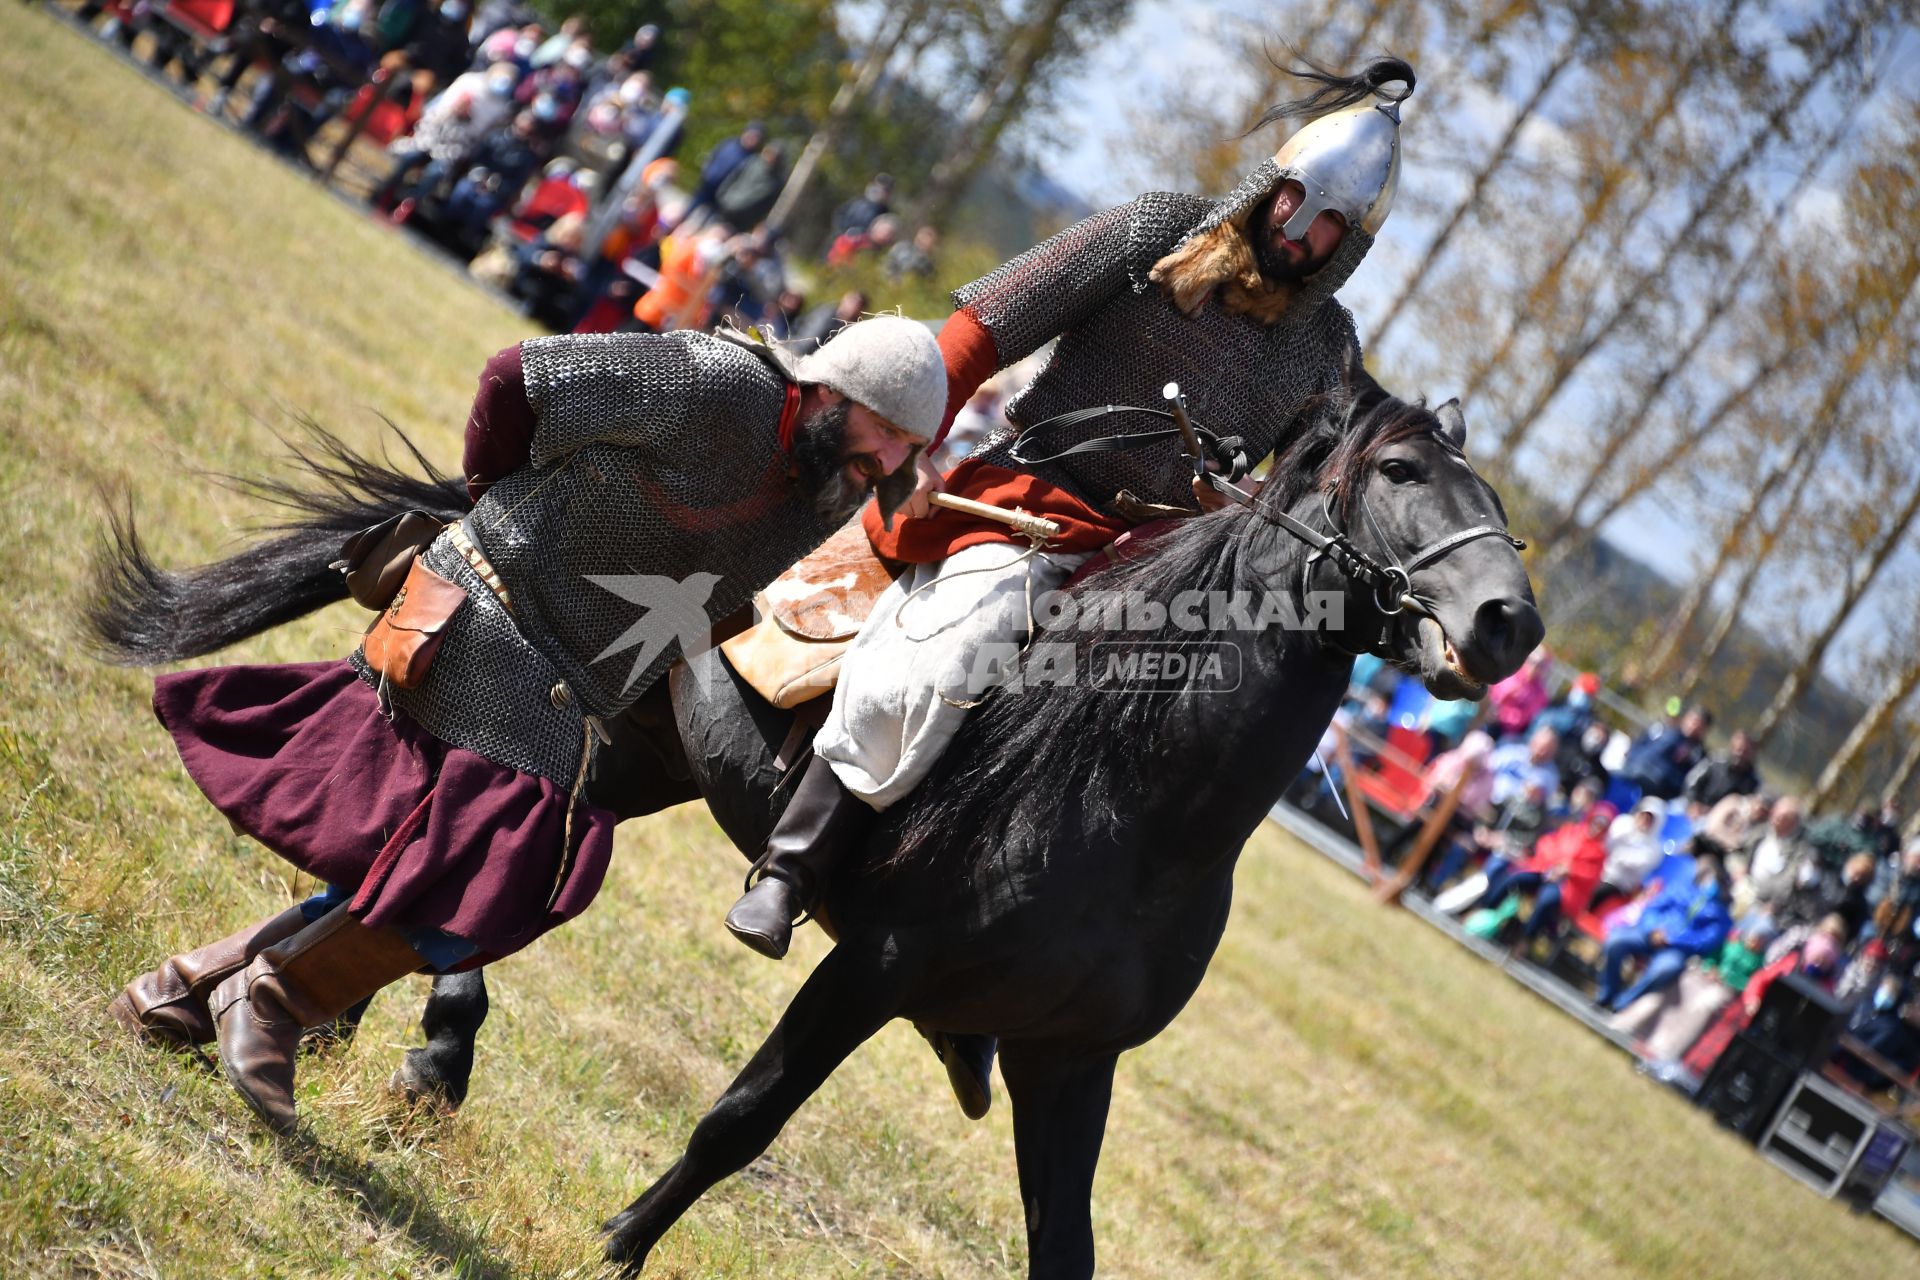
(1578, 851)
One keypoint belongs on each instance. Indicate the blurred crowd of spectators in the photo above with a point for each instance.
(511, 145)
(1689, 881)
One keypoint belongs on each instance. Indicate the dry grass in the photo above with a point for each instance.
(1349, 1095)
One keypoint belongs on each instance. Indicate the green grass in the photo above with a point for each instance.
(1349, 1094)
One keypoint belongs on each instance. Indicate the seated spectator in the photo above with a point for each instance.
(1570, 716)
(1890, 1030)
(549, 269)
(1734, 774)
(858, 213)
(573, 31)
(1633, 849)
(1465, 767)
(1896, 919)
(722, 163)
(1726, 829)
(912, 257)
(1668, 1022)
(552, 198)
(1518, 765)
(640, 51)
(1835, 838)
(849, 245)
(440, 42)
(1508, 839)
(1776, 851)
(451, 126)
(825, 320)
(1685, 919)
(1659, 760)
(503, 162)
(787, 310)
(1817, 955)
(1561, 872)
(1448, 721)
(977, 419)
(1578, 758)
(747, 196)
(1521, 696)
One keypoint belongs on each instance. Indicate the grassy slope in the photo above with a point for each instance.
(1348, 1096)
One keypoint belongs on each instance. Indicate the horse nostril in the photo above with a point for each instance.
(1508, 630)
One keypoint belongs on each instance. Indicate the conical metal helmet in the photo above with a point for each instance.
(1348, 161)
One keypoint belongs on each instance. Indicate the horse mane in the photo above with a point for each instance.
(1099, 746)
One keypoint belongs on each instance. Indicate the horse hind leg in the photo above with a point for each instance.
(841, 1005)
(440, 1073)
(1059, 1122)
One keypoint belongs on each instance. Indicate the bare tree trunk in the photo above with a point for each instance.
(1557, 539)
(990, 112)
(1571, 534)
(1496, 160)
(1902, 774)
(1545, 285)
(853, 90)
(1868, 727)
(1718, 189)
(1709, 650)
(1795, 685)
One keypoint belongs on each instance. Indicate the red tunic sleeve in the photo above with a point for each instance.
(967, 348)
(500, 426)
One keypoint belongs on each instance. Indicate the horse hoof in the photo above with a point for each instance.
(627, 1245)
(419, 1083)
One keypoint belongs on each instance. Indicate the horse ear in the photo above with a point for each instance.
(1453, 422)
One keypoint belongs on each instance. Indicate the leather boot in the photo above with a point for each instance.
(168, 1006)
(821, 822)
(310, 978)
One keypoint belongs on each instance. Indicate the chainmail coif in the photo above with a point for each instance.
(1122, 340)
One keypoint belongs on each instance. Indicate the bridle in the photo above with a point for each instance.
(1388, 580)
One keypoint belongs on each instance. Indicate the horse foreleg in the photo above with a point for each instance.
(842, 1004)
(1059, 1120)
(441, 1072)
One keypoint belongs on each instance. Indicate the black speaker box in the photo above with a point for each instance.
(1748, 1084)
(1799, 1019)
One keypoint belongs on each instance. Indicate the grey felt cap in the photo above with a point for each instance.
(890, 364)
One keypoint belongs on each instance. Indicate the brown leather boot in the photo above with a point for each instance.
(820, 823)
(311, 978)
(168, 1006)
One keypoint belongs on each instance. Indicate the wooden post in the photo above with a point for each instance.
(1390, 890)
(1357, 805)
(384, 84)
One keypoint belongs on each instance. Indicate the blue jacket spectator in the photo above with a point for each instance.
(1518, 765)
(1659, 760)
(1687, 918)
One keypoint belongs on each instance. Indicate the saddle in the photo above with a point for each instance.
(806, 619)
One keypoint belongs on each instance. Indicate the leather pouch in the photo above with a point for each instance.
(376, 559)
(402, 641)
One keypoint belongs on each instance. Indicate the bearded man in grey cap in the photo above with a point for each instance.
(631, 491)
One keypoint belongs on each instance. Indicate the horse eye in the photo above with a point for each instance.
(1398, 472)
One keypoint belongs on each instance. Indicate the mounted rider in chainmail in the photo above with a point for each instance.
(632, 491)
(1232, 297)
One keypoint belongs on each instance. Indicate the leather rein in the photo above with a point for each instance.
(1390, 583)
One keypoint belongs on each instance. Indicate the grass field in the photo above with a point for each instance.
(1349, 1095)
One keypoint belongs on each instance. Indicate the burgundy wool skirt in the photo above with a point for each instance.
(425, 835)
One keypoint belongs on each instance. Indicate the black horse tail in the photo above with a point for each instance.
(142, 614)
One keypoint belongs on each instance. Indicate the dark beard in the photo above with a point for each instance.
(1277, 270)
(820, 454)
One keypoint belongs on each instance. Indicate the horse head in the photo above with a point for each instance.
(1431, 578)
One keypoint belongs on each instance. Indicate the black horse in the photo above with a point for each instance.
(1062, 881)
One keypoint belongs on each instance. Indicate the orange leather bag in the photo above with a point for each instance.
(402, 641)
